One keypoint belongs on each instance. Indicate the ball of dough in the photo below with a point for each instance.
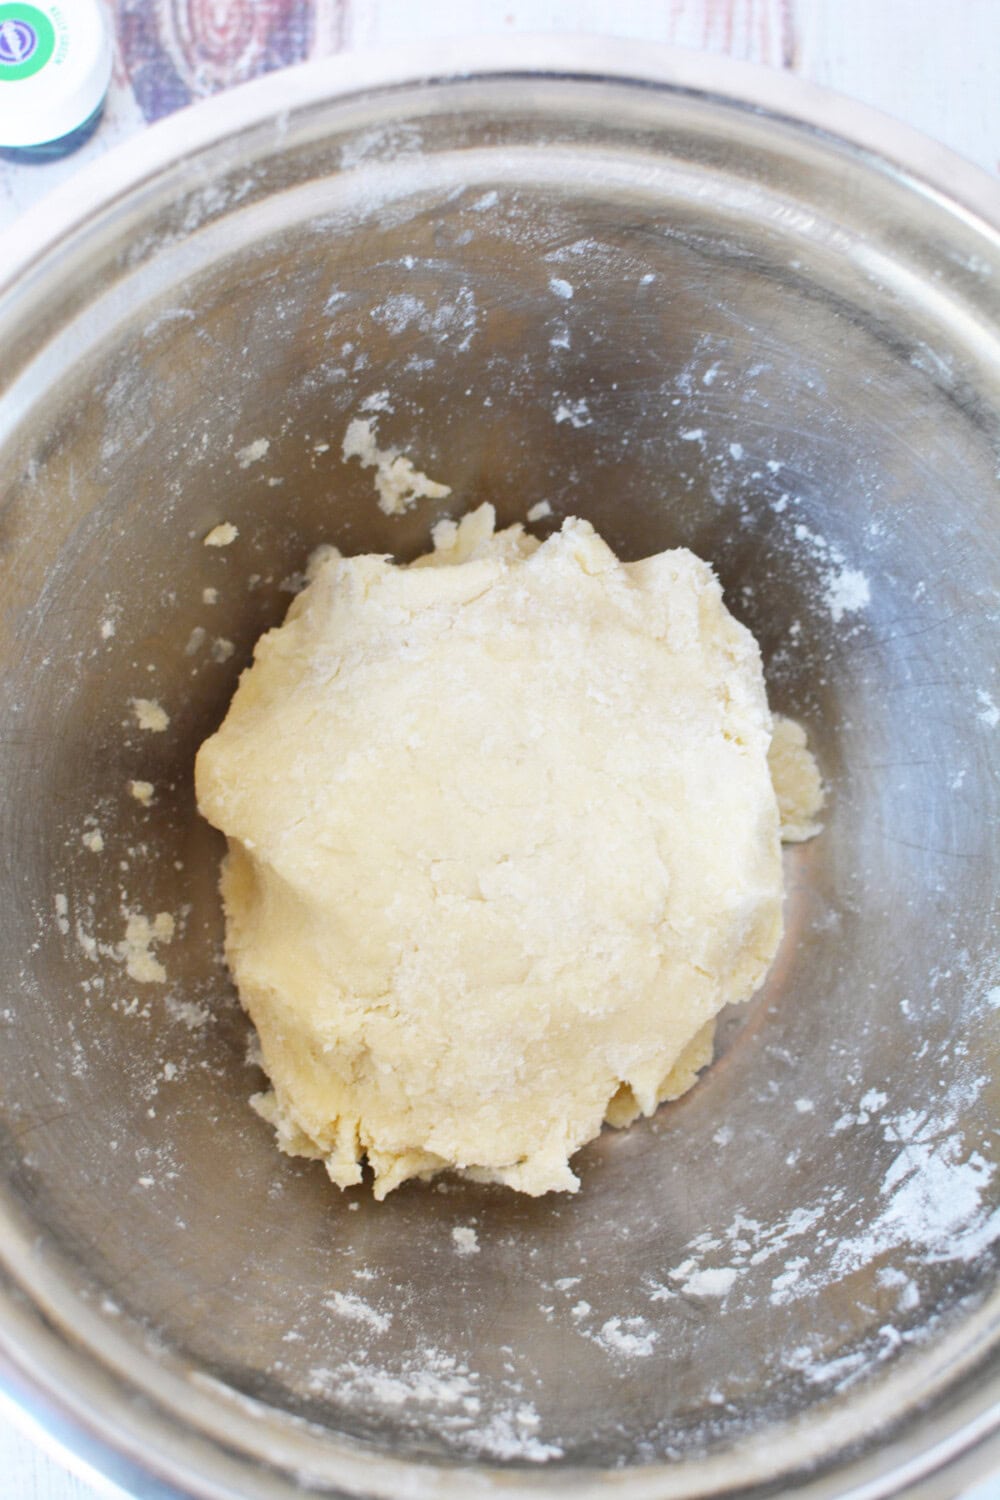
(502, 842)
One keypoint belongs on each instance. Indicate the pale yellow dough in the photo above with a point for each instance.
(503, 841)
(796, 781)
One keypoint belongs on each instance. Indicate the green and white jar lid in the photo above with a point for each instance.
(55, 67)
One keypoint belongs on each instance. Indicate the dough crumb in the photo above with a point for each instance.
(252, 453)
(398, 483)
(503, 841)
(93, 840)
(221, 535)
(142, 791)
(150, 715)
(210, 596)
(135, 949)
(222, 649)
(540, 511)
(465, 1240)
(797, 782)
(714, 1281)
(576, 413)
(632, 1337)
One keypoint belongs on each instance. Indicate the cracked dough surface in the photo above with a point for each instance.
(502, 842)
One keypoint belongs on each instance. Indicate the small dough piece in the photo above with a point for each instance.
(222, 535)
(136, 948)
(398, 482)
(797, 782)
(502, 843)
(150, 715)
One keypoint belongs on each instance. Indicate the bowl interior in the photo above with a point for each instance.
(592, 298)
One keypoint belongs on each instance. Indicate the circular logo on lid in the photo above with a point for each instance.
(27, 41)
(17, 42)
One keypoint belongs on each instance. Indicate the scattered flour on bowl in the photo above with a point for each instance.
(253, 452)
(504, 1425)
(377, 401)
(452, 320)
(846, 590)
(621, 1336)
(934, 1208)
(632, 1337)
(908, 1296)
(575, 412)
(846, 593)
(429, 1377)
(933, 1198)
(827, 1372)
(511, 1433)
(348, 1305)
(989, 714)
(717, 1281)
(188, 1012)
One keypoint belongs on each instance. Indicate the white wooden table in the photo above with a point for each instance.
(932, 63)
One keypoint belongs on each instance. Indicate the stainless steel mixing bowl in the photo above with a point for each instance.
(698, 304)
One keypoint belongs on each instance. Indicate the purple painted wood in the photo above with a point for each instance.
(174, 51)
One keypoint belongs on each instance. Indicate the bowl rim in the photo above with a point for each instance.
(47, 1364)
(928, 164)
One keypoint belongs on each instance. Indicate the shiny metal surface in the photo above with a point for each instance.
(697, 304)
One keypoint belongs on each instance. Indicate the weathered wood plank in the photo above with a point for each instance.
(755, 30)
(933, 63)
